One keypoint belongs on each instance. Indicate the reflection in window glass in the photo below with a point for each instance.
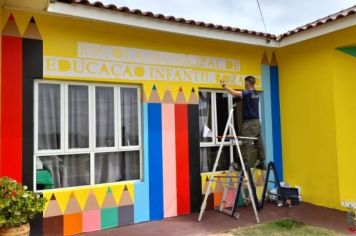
(129, 116)
(205, 118)
(117, 166)
(222, 111)
(208, 156)
(49, 116)
(105, 117)
(78, 116)
(66, 171)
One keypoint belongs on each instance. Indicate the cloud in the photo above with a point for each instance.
(280, 15)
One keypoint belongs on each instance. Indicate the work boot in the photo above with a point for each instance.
(261, 166)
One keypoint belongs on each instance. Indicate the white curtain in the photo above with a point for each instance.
(76, 168)
(78, 116)
(105, 117)
(117, 166)
(204, 114)
(49, 127)
(49, 121)
(129, 116)
(70, 170)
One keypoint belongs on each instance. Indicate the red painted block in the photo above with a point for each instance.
(11, 107)
(182, 159)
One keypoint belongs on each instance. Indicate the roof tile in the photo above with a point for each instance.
(333, 17)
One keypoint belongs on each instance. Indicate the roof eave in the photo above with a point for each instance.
(133, 20)
(316, 31)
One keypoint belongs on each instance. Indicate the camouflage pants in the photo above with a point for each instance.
(252, 150)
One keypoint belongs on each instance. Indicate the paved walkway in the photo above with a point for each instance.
(214, 222)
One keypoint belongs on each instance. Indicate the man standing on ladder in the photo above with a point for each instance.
(251, 126)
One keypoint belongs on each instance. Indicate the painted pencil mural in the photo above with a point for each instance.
(164, 177)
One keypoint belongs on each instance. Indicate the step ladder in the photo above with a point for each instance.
(252, 197)
(230, 177)
(271, 167)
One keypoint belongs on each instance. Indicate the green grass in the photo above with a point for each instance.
(284, 227)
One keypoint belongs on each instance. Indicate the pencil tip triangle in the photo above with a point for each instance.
(264, 60)
(274, 60)
(193, 98)
(167, 97)
(10, 28)
(53, 197)
(32, 31)
(180, 99)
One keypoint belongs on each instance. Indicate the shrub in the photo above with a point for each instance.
(17, 204)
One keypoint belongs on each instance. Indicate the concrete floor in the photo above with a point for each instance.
(214, 222)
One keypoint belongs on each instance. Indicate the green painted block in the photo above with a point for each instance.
(109, 217)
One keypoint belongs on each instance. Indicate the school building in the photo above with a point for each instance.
(103, 109)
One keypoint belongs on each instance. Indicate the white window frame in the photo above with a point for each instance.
(92, 150)
(215, 142)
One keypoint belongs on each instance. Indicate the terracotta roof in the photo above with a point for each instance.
(333, 17)
(113, 7)
(330, 18)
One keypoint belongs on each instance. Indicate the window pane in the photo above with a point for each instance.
(117, 166)
(49, 116)
(222, 111)
(208, 156)
(78, 116)
(205, 121)
(105, 117)
(63, 171)
(129, 116)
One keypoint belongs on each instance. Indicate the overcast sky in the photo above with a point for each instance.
(280, 15)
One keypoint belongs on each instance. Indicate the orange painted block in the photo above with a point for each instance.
(217, 199)
(73, 224)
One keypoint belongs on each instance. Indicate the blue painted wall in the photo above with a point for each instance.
(155, 166)
(142, 198)
(276, 121)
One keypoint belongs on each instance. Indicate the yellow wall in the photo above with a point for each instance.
(345, 114)
(315, 81)
(60, 36)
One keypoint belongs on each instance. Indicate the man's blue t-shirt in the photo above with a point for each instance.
(250, 104)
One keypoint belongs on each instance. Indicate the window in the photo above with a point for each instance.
(214, 107)
(86, 134)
